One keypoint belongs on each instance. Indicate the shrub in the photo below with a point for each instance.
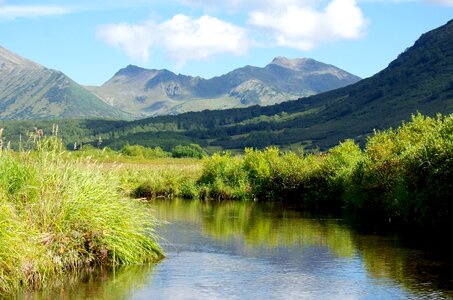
(143, 152)
(192, 150)
(258, 166)
(428, 173)
(224, 177)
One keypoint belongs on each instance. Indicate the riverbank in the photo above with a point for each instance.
(58, 216)
(60, 211)
(402, 178)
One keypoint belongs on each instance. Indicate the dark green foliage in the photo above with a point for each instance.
(150, 190)
(192, 150)
(143, 152)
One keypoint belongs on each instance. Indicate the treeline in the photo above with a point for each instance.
(403, 176)
(138, 152)
(255, 127)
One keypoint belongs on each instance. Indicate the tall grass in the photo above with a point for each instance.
(58, 215)
(162, 178)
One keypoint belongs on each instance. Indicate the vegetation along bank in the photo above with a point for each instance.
(59, 215)
(402, 177)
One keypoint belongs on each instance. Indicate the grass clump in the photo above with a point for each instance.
(160, 178)
(58, 215)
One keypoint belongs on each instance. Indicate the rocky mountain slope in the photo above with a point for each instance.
(31, 91)
(158, 92)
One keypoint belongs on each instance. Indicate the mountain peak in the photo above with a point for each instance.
(294, 64)
(130, 70)
(10, 58)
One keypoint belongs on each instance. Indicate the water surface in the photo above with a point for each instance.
(237, 250)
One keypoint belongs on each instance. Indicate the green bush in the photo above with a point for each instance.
(428, 173)
(258, 167)
(224, 177)
(404, 176)
(143, 152)
(286, 176)
(192, 150)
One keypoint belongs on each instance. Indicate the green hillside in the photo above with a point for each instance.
(419, 80)
(31, 91)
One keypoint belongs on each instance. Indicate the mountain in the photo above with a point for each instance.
(158, 92)
(31, 91)
(419, 80)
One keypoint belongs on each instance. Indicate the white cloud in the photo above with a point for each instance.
(195, 39)
(11, 12)
(305, 27)
(182, 38)
(135, 40)
(300, 24)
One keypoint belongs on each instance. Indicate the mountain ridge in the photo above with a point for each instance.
(29, 90)
(140, 91)
(9, 58)
(420, 80)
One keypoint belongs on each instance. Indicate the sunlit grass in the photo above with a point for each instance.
(58, 215)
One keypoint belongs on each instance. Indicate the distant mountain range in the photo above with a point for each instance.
(31, 91)
(160, 92)
(419, 80)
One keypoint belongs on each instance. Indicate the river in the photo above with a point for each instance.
(246, 250)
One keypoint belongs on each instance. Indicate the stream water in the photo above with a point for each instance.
(237, 250)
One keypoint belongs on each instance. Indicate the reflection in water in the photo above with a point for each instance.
(260, 228)
(246, 250)
(426, 274)
(96, 284)
(259, 225)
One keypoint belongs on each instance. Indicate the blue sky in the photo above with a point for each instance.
(90, 40)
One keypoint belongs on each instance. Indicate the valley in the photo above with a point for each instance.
(276, 181)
